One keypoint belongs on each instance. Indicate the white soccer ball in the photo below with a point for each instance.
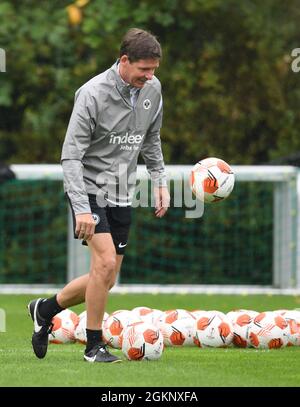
(153, 317)
(197, 313)
(141, 311)
(241, 320)
(170, 316)
(180, 332)
(292, 317)
(64, 325)
(212, 180)
(213, 330)
(80, 330)
(146, 314)
(142, 341)
(114, 325)
(269, 330)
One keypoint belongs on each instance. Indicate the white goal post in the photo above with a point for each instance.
(286, 232)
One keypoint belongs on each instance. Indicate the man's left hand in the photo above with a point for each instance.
(162, 201)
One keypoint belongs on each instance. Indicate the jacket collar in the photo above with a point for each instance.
(123, 87)
(119, 81)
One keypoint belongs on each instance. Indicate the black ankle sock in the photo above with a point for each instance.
(94, 337)
(49, 307)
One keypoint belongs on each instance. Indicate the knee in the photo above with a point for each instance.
(110, 263)
(104, 268)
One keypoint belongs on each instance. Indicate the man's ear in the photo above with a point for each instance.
(124, 59)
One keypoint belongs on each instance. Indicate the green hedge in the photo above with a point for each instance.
(229, 90)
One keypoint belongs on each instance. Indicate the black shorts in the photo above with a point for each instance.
(115, 220)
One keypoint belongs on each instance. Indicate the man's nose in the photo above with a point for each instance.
(149, 76)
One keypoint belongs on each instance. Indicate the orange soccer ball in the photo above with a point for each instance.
(212, 180)
(142, 341)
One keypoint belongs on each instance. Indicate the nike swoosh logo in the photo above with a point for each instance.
(37, 327)
(121, 245)
(92, 359)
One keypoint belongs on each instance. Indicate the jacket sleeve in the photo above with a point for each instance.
(152, 152)
(77, 141)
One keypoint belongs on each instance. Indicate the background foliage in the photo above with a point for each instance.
(229, 90)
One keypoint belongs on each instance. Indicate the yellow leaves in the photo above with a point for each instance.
(74, 11)
(81, 3)
(74, 14)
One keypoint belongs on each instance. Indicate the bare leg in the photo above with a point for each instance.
(117, 270)
(74, 292)
(102, 270)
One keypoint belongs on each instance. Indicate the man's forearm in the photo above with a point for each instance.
(74, 186)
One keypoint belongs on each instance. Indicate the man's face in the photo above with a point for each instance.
(138, 72)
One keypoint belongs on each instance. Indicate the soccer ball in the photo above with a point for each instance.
(197, 313)
(292, 317)
(148, 315)
(153, 316)
(211, 180)
(170, 316)
(241, 320)
(64, 325)
(142, 341)
(269, 330)
(142, 311)
(80, 330)
(114, 325)
(213, 330)
(180, 333)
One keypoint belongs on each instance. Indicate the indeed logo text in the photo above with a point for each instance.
(126, 142)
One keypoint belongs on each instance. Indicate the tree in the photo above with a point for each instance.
(229, 90)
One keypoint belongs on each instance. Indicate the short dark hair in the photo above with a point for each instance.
(139, 44)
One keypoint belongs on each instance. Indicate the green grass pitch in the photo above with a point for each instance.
(64, 365)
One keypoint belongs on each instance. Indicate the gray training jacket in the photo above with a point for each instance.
(104, 138)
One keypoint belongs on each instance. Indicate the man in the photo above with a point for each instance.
(116, 115)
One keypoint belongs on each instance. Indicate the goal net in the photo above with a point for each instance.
(249, 242)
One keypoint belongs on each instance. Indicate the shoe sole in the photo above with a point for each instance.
(94, 361)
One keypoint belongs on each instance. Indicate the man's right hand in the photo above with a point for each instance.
(85, 226)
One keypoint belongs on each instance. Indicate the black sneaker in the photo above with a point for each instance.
(41, 331)
(99, 353)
